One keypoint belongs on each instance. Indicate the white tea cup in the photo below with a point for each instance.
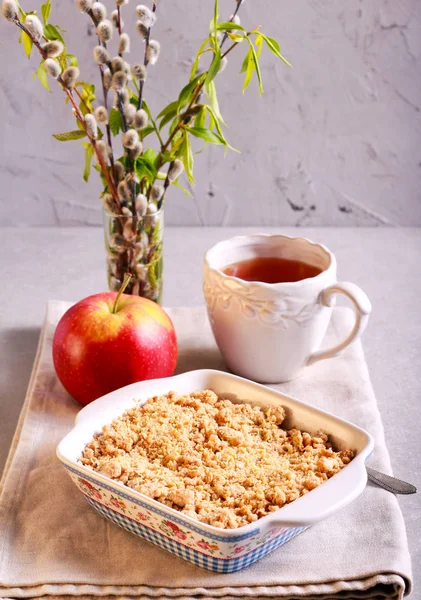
(269, 332)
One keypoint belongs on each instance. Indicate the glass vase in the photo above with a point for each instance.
(135, 245)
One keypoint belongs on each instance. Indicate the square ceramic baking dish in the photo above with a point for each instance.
(220, 550)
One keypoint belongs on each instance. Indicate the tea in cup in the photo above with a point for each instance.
(269, 301)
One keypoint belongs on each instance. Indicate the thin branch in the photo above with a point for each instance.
(166, 184)
(119, 19)
(107, 127)
(78, 114)
(180, 123)
(145, 60)
(82, 100)
(105, 94)
(237, 8)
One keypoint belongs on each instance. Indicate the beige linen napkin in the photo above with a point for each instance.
(53, 543)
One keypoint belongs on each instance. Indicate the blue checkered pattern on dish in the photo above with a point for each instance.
(163, 512)
(219, 565)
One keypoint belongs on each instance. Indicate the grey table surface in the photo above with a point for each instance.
(68, 264)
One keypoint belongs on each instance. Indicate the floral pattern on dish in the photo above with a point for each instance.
(197, 541)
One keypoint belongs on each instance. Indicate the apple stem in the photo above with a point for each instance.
(125, 283)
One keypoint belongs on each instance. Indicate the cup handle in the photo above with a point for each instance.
(362, 306)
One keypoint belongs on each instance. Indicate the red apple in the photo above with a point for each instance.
(103, 343)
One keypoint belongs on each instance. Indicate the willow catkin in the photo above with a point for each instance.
(70, 76)
(119, 81)
(52, 67)
(91, 126)
(53, 49)
(140, 119)
(137, 149)
(9, 10)
(115, 19)
(139, 72)
(34, 26)
(175, 170)
(107, 78)
(119, 170)
(152, 52)
(84, 5)
(101, 115)
(142, 30)
(105, 31)
(141, 205)
(130, 138)
(117, 64)
(101, 55)
(157, 191)
(129, 113)
(124, 43)
(103, 150)
(146, 16)
(123, 192)
(99, 11)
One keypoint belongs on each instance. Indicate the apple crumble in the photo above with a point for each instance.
(222, 463)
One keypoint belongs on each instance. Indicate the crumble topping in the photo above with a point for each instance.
(222, 463)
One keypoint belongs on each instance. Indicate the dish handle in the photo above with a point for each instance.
(326, 499)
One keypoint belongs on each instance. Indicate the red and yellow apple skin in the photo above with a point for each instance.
(96, 351)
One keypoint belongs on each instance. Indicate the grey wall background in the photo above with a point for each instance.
(333, 141)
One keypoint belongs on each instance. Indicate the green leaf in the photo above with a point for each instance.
(256, 65)
(69, 135)
(147, 131)
(171, 108)
(200, 120)
(168, 114)
(197, 59)
(214, 21)
(188, 158)
(236, 37)
(249, 70)
(245, 62)
(215, 122)
(150, 155)
(214, 68)
(144, 168)
(259, 44)
(207, 135)
(45, 11)
(52, 33)
(213, 99)
(89, 152)
(27, 43)
(275, 48)
(115, 121)
(41, 73)
(72, 59)
(187, 93)
(229, 26)
(180, 187)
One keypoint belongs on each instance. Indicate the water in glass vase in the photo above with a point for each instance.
(135, 245)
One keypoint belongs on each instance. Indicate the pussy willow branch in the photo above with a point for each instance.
(197, 93)
(145, 60)
(105, 95)
(164, 147)
(78, 113)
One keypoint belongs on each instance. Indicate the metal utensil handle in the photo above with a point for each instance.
(389, 483)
